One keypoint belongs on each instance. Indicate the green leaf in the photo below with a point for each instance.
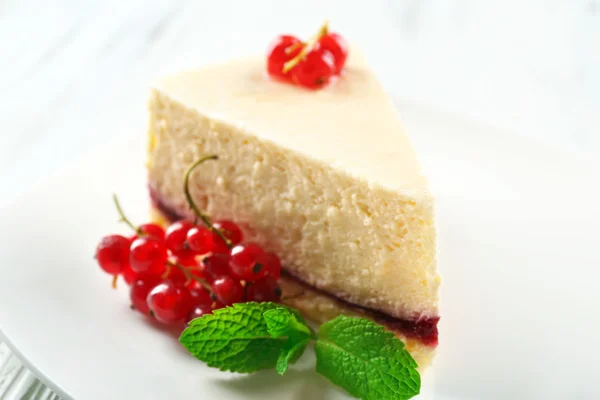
(283, 322)
(290, 353)
(234, 338)
(366, 360)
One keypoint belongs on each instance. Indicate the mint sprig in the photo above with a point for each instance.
(354, 353)
(366, 360)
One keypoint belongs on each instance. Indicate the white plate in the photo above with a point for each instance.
(518, 242)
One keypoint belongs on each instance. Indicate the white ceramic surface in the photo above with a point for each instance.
(518, 245)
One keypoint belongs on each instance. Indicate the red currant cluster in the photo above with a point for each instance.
(189, 270)
(312, 64)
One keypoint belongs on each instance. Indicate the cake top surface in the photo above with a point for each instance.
(351, 124)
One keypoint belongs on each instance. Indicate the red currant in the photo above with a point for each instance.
(189, 262)
(228, 290)
(199, 240)
(138, 292)
(218, 245)
(200, 297)
(266, 289)
(154, 230)
(192, 266)
(248, 262)
(176, 236)
(148, 256)
(170, 302)
(337, 46)
(315, 70)
(230, 230)
(273, 266)
(132, 239)
(150, 230)
(218, 305)
(197, 312)
(198, 273)
(175, 274)
(112, 254)
(129, 275)
(216, 266)
(277, 55)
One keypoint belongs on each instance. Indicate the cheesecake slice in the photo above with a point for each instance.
(326, 179)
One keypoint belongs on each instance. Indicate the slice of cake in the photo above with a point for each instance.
(327, 179)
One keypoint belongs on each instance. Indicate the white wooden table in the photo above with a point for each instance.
(74, 75)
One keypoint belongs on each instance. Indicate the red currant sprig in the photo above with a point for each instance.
(312, 64)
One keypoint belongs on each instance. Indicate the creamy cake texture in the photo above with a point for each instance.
(326, 179)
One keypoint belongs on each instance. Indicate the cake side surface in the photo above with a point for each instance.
(359, 240)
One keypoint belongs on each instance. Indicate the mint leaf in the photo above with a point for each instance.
(366, 360)
(234, 338)
(283, 322)
(290, 353)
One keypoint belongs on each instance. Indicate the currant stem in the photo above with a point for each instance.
(114, 281)
(167, 271)
(122, 216)
(310, 44)
(246, 291)
(203, 217)
(294, 47)
(189, 275)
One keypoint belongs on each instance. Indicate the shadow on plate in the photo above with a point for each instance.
(298, 384)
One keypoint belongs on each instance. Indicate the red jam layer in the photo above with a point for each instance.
(423, 328)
